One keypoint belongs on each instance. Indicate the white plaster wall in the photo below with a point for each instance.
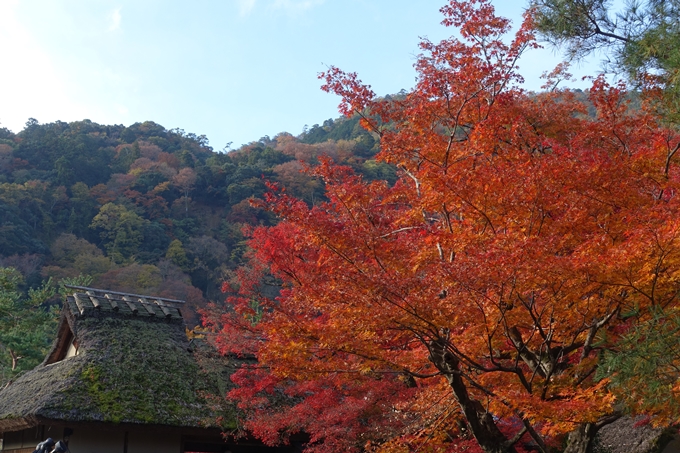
(140, 442)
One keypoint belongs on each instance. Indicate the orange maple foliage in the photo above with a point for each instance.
(483, 285)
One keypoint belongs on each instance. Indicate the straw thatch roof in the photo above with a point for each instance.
(632, 435)
(134, 365)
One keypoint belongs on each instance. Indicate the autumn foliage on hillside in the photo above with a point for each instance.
(84, 198)
(467, 305)
(143, 209)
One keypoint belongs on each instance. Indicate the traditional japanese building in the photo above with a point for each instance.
(121, 377)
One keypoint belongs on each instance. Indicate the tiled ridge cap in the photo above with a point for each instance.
(85, 299)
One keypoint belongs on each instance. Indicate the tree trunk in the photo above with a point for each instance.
(15, 359)
(480, 422)
(581, 439)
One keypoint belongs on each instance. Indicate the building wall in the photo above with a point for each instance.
(12, 441)
(139, 442)
(84, 440)
(94, 441)
(25, 441)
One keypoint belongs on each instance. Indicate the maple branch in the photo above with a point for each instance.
(523, 380)
(401, 230)
(376, 258)
(448, 150)
(527, 355)
(335, 250)
(374, 127)
(622, 142)
(422, 376)
(592, 197)
(469, 361)
(490, 335)
(479, 420)
(472, 205)
(535, 436)
(510, 442)
(292, 275)
(581, 379)
(536, 318)
(516, 369)
(433, 329)
(554, 362)
(455, 126)
(608, 419)
(593, 330)
(657, 271)
(668, 159)
(410, 175)
(527, 425)
(447, 217)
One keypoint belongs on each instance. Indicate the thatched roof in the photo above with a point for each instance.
(632, 435)
(134, 365)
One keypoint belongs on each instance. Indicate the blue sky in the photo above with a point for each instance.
(234, 70)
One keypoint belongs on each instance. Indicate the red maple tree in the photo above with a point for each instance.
(471, 299)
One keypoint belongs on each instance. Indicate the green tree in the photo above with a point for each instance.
(644, 367)
(122, 231)
(641, 40)
(177, 255)
(26, 324)
(73, 256)
(83, 208)
(185, 180)
(209, 258)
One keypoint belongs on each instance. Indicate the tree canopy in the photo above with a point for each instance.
(471, 302)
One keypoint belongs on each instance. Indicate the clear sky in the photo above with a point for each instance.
(234, 70)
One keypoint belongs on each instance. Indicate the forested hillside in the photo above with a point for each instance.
(144, 209)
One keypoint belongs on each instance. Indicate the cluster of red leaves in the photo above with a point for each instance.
(335, 417)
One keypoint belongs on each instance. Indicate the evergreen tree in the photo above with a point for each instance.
(641, 40)
(26, 324)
